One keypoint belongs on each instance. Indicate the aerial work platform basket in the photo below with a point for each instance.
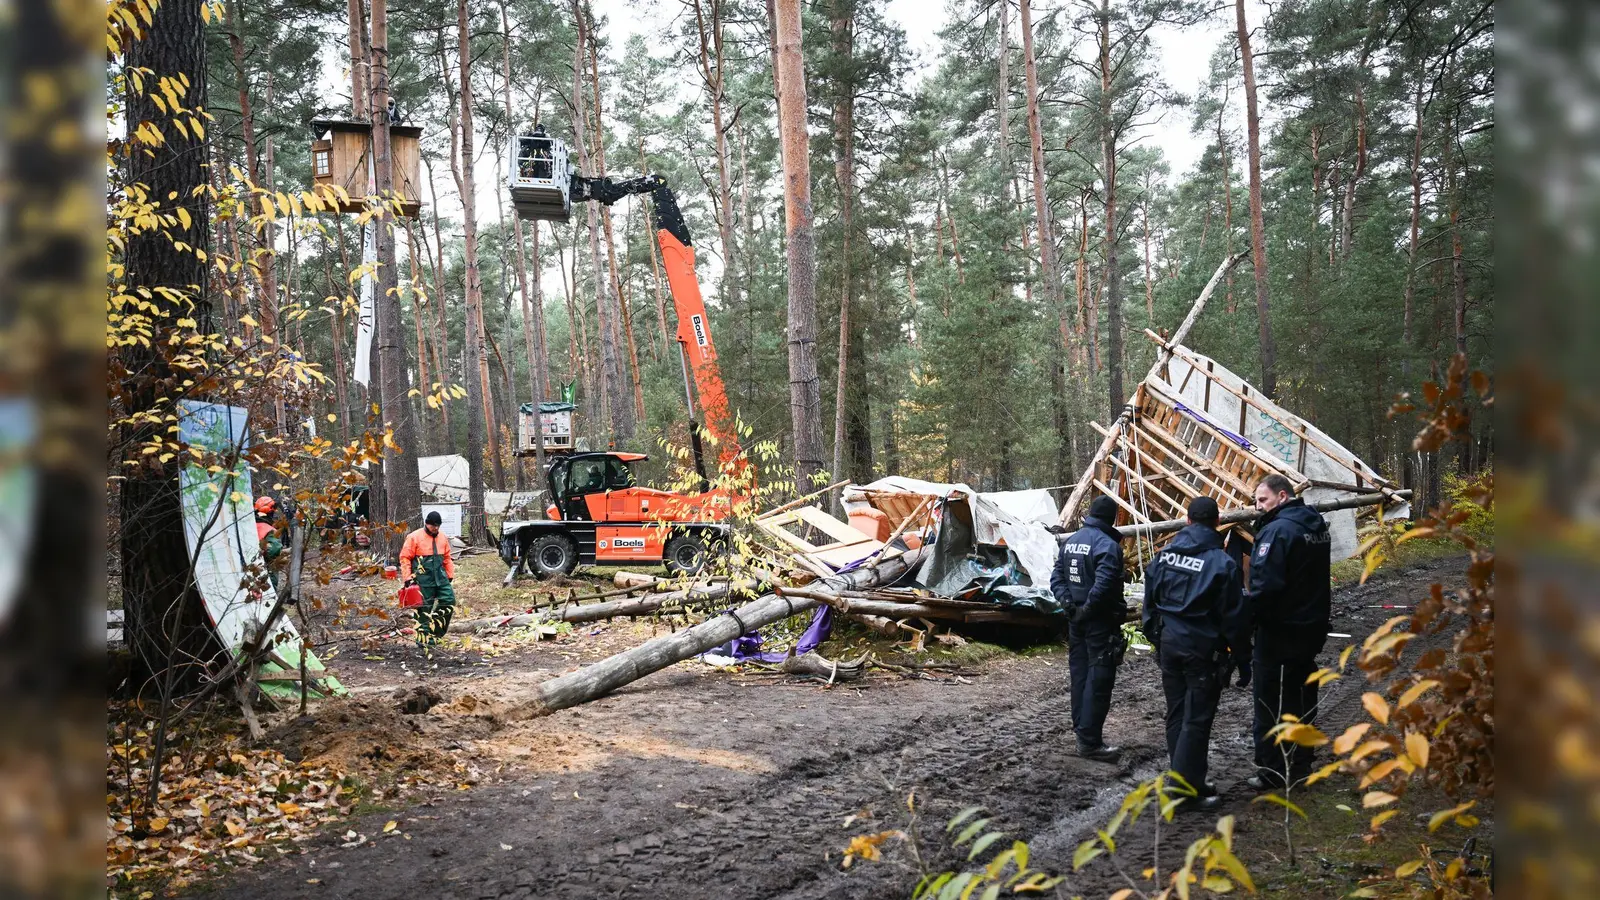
(540, 182)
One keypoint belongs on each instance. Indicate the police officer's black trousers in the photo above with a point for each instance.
(1193, 685)
(1282, 661)
(1092, 661)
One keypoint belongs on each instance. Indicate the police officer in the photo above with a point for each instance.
(1291, 600)
(1087, 582)
(1195, 616)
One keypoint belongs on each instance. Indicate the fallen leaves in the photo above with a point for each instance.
(215, 804)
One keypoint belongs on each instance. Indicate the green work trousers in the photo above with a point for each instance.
(438, 598)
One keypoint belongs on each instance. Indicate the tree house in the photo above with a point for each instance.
(340, 155)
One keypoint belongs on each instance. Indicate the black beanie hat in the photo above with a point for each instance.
(434, 518)
(1203, 510)
(1105, 509)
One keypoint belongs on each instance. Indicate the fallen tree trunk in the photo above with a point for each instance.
(611, 609)
(601, 678)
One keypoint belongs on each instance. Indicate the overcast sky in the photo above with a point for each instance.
(1184, 54)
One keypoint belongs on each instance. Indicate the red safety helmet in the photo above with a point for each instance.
(265, 505)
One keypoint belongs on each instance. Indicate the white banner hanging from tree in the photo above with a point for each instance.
(368, 313)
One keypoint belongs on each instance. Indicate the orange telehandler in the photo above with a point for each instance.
(599, 514)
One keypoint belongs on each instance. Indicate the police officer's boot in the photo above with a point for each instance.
(1103, 753)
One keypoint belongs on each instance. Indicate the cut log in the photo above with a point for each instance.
(605, 676)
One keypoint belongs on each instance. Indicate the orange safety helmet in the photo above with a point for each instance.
(265, 505)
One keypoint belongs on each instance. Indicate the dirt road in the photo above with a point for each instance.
(698, 783)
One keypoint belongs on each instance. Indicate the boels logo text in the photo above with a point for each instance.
(699, 324)
(623, 543)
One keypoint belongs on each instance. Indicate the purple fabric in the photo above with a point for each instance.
(748, 646)
(1236, 438)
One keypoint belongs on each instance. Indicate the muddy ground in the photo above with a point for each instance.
(696, 782)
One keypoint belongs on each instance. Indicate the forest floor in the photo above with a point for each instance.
(699, 782)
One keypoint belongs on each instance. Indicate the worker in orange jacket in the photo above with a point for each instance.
(267, 534)
(434, 570)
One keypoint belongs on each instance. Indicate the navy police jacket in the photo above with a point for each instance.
(1289, 586)
(1087, 579)
(1193, 597)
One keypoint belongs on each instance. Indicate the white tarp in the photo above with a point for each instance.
(444, 477)
(1014, 518)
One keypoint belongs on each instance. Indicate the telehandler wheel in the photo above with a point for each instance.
(686, 555)
(551, 555)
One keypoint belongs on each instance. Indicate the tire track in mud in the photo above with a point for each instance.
(798, 817)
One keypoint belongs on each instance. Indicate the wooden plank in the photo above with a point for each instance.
(841, 532)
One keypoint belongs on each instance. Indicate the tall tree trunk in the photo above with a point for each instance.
(805, 390)
(441, 348)
(532, 307)
(262, 260)
(618, 405)
(360, 59)
(709, 30)
(1048, 274)
(1258, 232)
(1458, 269)
(842, 26)
(336, 318)
(401, 486)
(1227, 201)
(1347, 239)
(479, 416)
(1408, 475)
(1113, 279)
(424, 385)
(626, 316)
(164, 616)
(1149, 279)
(655, 260)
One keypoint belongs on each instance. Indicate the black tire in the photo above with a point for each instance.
(552, 554)
(686, 555)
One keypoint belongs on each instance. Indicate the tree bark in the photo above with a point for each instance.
(1258, 234)
(401, 486)
(805, 392)
(360, 59)
(164, 615)
(842, 27)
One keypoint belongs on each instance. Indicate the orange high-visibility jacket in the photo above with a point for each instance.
(421, 543)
